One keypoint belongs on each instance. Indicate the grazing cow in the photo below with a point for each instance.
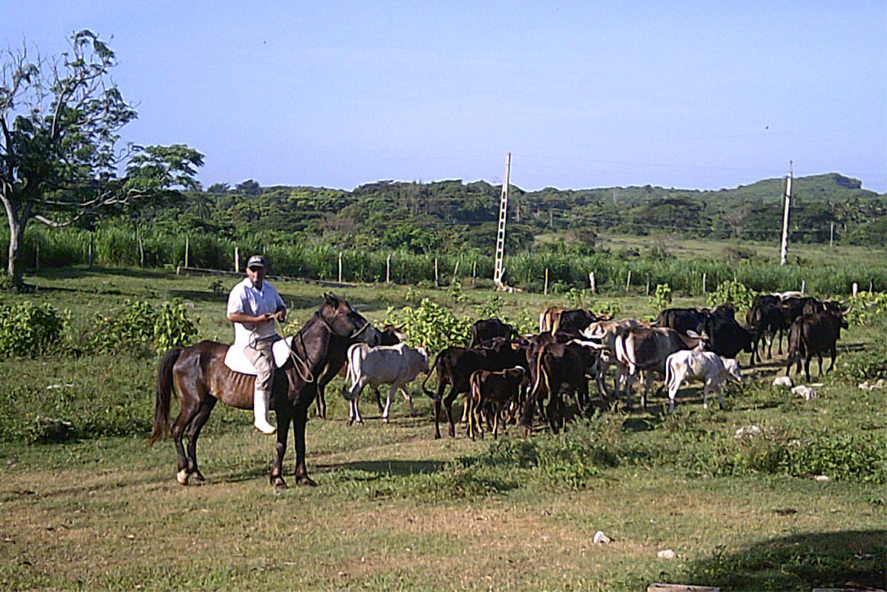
(337, 358)
(646, 349)
(493, 390)
(484, 332)
(812, 335)
(604, 334)
(557, 365)
(454, 366)
(396, 365)
(702, 365)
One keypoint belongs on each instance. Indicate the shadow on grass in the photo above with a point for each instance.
(395, 468)
(845, 559)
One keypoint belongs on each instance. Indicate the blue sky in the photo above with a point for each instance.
(696, 95)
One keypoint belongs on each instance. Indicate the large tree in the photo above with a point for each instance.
(60, 158)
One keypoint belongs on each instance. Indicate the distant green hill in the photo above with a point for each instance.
(454, 215)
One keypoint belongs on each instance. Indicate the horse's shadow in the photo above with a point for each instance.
(388, 467)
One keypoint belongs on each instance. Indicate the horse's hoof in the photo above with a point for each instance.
(350, 422)
(306, 480)
(197, 477)
(182, 477)
(385, 420)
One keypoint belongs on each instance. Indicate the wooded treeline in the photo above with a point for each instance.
(452, 216)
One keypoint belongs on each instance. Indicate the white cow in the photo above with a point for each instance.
(701, 365)
(396, 365)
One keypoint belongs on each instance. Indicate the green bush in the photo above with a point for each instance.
(173, 328)
(432, 325)
(139, 328)
(662, 298)
(732, 291)
(29, 329)
(130, 329)
(868, 308)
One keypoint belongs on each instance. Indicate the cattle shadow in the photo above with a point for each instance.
(844, 559)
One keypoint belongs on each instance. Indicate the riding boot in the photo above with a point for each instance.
(260, 411)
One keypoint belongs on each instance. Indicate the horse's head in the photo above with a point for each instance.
(344, 321)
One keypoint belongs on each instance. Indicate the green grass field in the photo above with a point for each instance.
(89, 507)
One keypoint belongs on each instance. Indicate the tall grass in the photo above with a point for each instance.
(119, 245)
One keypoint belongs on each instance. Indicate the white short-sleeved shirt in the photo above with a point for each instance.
(246, 299)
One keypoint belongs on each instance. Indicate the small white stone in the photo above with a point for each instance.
(821, 478)
(806, 392)
(600, 537)
(666, 554)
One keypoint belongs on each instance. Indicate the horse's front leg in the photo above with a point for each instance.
(300, 418)
(283, 426)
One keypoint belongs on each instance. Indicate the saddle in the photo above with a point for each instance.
(237, 361)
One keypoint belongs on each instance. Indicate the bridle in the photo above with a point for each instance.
(302, 366)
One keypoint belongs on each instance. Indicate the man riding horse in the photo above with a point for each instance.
(253, 306)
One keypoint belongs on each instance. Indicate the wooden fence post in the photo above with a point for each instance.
(628, 282)
(388, 269)
(591, 282)
(141, 249)
(855, 289)
(545, 289)
(186, 252)
(237, 259)
(648, 285)
(703, 283)
(340, 267)
(89, 251)
(436, 285)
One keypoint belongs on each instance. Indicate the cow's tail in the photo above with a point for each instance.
(431, 371)
(163, 394)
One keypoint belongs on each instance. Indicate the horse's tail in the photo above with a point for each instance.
(164, 394)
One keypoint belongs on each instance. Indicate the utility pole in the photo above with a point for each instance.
(500, 233)
(787, 202)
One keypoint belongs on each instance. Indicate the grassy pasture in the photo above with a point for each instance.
(397, 510)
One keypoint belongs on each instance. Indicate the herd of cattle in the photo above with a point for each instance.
(505, 376)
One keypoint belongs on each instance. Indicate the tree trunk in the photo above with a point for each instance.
(18, 219)
(15, 267)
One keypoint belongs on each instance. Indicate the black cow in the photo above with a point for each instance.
(454, 366)
(726, 337)
(557, 365)
(766, 318)
(813, 335)
(485, 331)
(682, 319)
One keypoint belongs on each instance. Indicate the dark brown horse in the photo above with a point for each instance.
(201, 378)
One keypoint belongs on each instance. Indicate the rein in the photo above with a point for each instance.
(300, 364)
